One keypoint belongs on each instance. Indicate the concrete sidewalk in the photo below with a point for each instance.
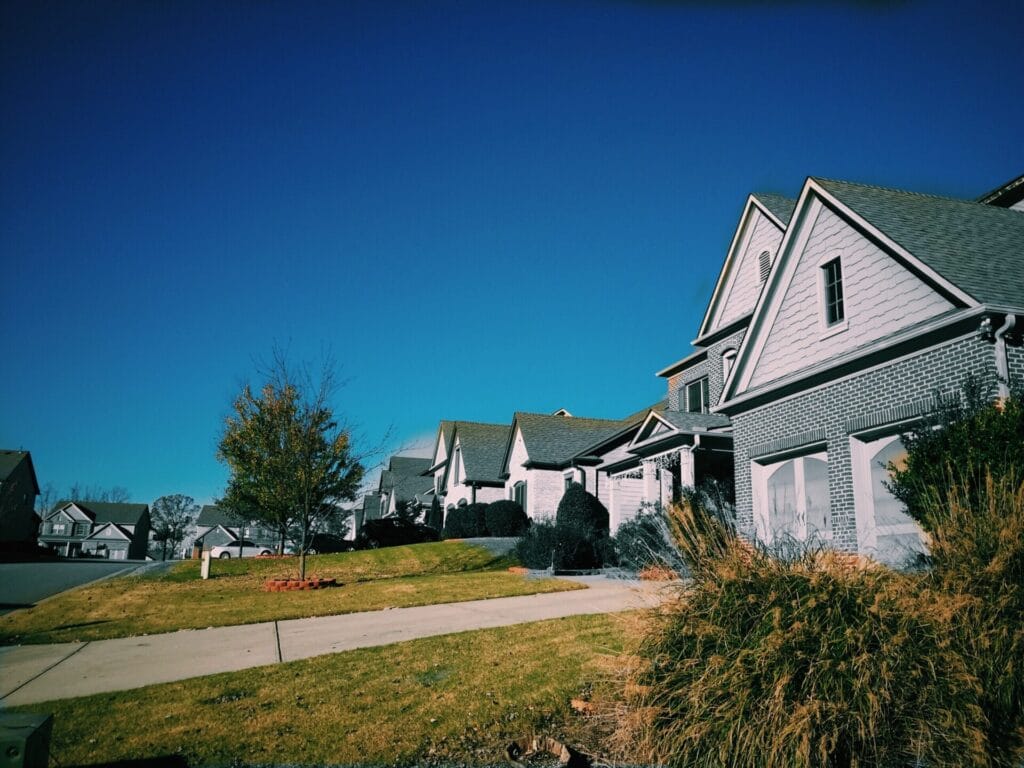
(34, 673)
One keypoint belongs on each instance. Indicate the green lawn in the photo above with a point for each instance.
(421, 574)
(456, 697)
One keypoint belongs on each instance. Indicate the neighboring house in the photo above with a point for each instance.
(18, 491)
(544, 453)
(470, 471)
(97, 529)
(403, 482)
(877, 299)
(216, 527)
(372, 508)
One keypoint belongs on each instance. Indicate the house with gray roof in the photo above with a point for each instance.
(876, 299)
(467, 462)
(18, 490)
(217, 527)
(117, 531)
(403, 482)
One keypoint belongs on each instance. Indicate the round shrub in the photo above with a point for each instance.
(535, 546)
(505, 518)
(582, 511)
(466, 522)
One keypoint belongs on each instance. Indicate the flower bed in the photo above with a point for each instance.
(290, 585)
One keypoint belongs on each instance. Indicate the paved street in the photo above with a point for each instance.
(24, 584)
(34, 673)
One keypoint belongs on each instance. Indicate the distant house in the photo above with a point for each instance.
(216, 527)
(18, 491)
(97, 529)
(471, 471)
(403, 482)
(877, 299)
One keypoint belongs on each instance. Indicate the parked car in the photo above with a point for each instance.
(325, 543)
(393, 531)
(248, 549)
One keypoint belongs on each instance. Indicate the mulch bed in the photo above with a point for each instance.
(292, 585)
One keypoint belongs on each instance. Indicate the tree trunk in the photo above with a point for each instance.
(163, 550)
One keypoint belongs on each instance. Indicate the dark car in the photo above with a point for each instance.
(393, 531)
(327, 543)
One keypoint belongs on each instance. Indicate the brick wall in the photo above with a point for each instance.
(873, 398)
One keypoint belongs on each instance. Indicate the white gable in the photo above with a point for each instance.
(880, 296)
(441, 450)
(740, 282)
(653, 425)
(518, 456)
(73, 513)
(109, 531)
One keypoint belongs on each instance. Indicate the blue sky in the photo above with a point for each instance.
(476, 208)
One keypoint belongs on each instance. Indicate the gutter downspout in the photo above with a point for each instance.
(1002, 363)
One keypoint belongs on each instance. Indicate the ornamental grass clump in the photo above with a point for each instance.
(805, 662)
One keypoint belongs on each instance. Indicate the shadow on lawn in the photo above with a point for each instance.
(170, 761)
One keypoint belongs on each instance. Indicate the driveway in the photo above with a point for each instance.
(24, 584)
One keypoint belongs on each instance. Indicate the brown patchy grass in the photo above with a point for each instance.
(397, 577)
(454, 698)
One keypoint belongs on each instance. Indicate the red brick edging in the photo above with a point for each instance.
(290, 585)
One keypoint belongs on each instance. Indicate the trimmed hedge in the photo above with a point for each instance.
(581, 532)
(466, 522)
(581, 510)
(505, 518)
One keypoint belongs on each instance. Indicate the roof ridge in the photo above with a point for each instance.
(880, 188)
(566, 418)
(481, 423)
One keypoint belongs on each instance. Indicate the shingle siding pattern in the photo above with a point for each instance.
(880, 296)
(745, 282)
(895, 390)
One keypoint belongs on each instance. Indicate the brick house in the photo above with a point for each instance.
(116, 531)
(18, 491)
(466, 465)
(877, 299)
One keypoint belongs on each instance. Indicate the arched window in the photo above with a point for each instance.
(519, 494)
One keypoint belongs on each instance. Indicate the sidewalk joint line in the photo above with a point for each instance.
(277, 637)
(36, 676)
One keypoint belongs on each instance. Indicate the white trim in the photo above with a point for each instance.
(740, 240)
(652, 416)
(891, 341)
(761, 471)
(96, 534)
(862, 451)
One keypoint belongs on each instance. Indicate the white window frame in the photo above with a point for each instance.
(831, 329)
(863, 449)
(728, 362)
(763, 468)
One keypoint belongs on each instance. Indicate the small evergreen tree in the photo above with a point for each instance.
(435, 515)
(581, 531)
(505, 518)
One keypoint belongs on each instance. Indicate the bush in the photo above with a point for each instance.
(582, 511)
(466, 522)
(506, 518)
(964, 439)
(645, 541)
(536, 545)
(806, 662)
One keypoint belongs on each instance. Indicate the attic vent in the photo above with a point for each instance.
(764, 264)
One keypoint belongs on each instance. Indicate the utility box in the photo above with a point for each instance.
(25, 740)
(204, 567)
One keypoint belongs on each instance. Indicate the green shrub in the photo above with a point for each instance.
(505, 518)
(535, 546)
(646, 541)
(965, 438)
(435, 515)
(582, 511)
(466, 522)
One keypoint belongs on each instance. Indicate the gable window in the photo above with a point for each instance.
(519, 494)
(59, 528)
(832, 272)
(697, 396)
(728, 359)
(764, 265)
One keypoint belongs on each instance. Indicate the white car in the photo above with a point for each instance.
(248, 549)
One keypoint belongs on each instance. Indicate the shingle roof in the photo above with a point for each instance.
(658, 407)
(556, 439)
(690, 422)
(404, 476)
(109, 512)
(8, 461)
(483, 449)
(211, 515)
(977, 247)
(781, 207)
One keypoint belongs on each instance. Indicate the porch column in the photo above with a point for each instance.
(651, 490)
(687, 474)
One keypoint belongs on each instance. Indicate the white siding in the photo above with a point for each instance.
(627, 494)
(744, 284)
(880, 296)
(544, 487)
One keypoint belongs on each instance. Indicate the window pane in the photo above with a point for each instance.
(888, 511)
(782, 502)
(819, 517)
